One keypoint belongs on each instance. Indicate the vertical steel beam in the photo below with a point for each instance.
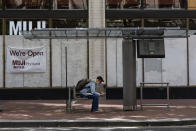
(50, 46)
(143, 78)
(106, 62)
(4, 33)
(88, 62)
(187, 46)
(66, 65)
(68, 90)
(129, 75)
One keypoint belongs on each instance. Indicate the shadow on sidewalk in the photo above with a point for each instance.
(111, 109)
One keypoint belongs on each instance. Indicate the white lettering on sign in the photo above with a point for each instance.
(15, 28)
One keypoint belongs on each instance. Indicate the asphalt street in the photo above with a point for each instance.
(170, 128)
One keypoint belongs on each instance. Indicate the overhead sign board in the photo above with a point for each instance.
(151, 48)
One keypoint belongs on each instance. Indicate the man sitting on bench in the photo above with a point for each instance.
(90, 92)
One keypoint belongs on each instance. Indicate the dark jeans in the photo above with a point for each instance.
(95, 102)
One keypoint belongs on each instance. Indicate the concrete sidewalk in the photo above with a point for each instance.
(52, 113)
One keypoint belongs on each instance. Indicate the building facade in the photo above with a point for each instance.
(87, 58)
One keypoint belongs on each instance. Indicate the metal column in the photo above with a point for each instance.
(68, 89)
(129, 75)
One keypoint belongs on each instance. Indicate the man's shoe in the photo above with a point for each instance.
(97, 111)
(73, 101)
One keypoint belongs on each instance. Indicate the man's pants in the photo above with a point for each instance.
(95, 102)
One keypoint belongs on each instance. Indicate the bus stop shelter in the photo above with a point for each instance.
(149, 43)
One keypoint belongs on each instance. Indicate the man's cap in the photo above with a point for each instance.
(100, 78)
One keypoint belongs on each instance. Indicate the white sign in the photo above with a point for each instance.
(15, 28)
(26, 60)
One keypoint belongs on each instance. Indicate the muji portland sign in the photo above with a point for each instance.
(26, 59)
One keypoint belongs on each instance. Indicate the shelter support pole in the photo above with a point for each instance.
(188, 54)
(50, 55)
(4, 48)
(129, 75)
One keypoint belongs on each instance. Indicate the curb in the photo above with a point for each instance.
(96, 123)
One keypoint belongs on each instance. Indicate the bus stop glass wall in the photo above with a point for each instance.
(70, 23)
(165, 23)
(123, 22)
(165, 4)
(70, 4)
(27, 4)
(123, 4)
(192, 26)
(178, 23)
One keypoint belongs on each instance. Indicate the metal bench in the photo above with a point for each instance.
(76, 96)
(159, 104)
(73, 97)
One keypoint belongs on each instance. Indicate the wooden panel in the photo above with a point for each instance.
(165, 2)
(63, 2)
(191, 4)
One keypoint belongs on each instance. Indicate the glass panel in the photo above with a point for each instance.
(1, 25)
(0, 3)
(13, 27)
(70, 4)
(70, 23)
(192, 24)
(123, 4)
(164, 3)
(165, 23)
(27, 4)
(123, 22)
